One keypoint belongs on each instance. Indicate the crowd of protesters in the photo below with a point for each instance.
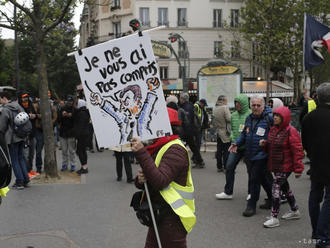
(256, 132)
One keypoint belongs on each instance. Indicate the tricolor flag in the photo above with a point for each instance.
(316, 35)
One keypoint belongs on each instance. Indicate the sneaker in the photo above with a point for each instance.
(220, 170)
(248, 197)
(291, 215)
(73, 168)
(272, 222)
(17, 186)
(223, 196)
(31, 176)
(64, 167)
(82, 171)
(34, 173)
(130, 180)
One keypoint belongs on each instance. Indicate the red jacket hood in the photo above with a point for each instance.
(285, 113)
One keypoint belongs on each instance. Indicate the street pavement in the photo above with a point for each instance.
(96, 213)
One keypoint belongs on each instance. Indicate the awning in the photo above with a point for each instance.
(277, 89)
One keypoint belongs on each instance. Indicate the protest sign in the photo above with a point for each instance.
(123, 91)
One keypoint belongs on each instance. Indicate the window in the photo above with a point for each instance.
(162, 16)
(182, 17)
(218, 49)
(144, 16)
(217, 14)
(182, 49)
(116, 30)
(235, 49)
(115, 5)
(234, 18)
(163, 72)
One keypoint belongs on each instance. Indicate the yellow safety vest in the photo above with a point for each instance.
(199, 110)
(180, 198)
(311, 105)
(4, 191)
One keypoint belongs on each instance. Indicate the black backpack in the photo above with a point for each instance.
(5, 165)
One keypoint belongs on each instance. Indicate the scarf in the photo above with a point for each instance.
(154, 147)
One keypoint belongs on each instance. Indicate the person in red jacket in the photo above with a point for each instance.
(285, 154)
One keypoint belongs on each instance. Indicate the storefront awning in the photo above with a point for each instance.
(277, 89)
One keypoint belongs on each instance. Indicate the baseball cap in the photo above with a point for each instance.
(203, 101)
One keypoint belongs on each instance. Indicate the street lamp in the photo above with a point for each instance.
(173, 37)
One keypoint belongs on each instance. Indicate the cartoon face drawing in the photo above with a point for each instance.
(132, 115)
(130, 100)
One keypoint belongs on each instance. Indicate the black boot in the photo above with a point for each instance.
(249, 212)
(266, 205)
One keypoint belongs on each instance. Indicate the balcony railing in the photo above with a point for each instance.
(182, 24)
(217, 24)
(163, 23)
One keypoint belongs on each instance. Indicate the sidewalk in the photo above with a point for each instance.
(96, 213)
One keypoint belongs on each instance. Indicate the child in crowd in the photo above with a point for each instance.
(285, 154)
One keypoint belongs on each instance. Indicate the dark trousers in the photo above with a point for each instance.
(81, 149)
(222, 153)
(190, 140)
(320, 217)
(39, 147)
(232, 162)
(29, 150)
(127, 163)
(257, 170)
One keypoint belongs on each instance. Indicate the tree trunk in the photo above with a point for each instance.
(268, 79)
(50, 165)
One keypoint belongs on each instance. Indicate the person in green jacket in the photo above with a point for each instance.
(237, 125)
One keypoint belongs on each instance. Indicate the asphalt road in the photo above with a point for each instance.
(96, 213)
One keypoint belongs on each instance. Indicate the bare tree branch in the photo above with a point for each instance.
(24, 9)
(64, 12)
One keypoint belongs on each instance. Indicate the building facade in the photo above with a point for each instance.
(207, 30)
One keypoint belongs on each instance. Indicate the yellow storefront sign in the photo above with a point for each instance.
(226, 69)
(160, 49)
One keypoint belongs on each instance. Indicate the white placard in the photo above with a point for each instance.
(123, 92)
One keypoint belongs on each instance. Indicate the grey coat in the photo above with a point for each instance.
(222, 122)
(6, 115)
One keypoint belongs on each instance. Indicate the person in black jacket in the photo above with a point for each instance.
(189, 129)
(30, 142)
(67, 139)
(316, 141)
(82, 120)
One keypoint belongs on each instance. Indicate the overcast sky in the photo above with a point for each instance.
(7, 33)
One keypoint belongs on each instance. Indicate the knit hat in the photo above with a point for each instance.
(173, 115)
(81, 103)
(171, 98)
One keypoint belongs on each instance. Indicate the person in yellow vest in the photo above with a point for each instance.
(3, 193)
(165, 166)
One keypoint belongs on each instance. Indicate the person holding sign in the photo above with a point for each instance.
(165, 166)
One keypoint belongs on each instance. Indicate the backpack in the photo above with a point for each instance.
(21, 131)
(5, 165)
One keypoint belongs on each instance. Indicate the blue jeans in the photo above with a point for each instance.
(39, 147)
(320, 217)
(222, 153)
(258, 176)
(18, 163)
(232, 162)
